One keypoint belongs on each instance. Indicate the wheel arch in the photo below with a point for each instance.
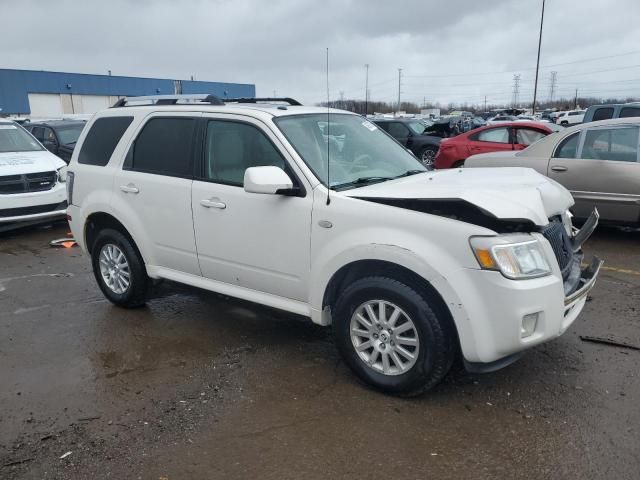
(98, 221)
(357, 269)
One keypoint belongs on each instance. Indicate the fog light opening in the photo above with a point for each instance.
(529, 324)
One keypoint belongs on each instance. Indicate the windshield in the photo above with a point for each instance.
(360, 152)
(16, 139)
(69, 134)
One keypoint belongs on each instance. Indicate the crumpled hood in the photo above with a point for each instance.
(18, 163)
(506, 193)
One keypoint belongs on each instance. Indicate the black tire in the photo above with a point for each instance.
(136, 293)
(436, 338)
(458, 164)
(427, 156)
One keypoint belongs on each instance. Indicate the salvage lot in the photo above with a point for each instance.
(199, 385)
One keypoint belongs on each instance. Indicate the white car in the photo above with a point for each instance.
(572, 117)
(411, 267)
(32, 187)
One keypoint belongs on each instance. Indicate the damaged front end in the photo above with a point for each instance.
(567, 248)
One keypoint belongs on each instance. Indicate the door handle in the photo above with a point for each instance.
(213, 203)
(559, 168)
(129, 188)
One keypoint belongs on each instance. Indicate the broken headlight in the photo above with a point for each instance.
(516, 257)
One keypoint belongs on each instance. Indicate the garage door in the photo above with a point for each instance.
(92, 103)
(45, 105)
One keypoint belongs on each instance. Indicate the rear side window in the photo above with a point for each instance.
(527, 136)
(101, 141)
(494, 135)
(617, 144)
(630, 112)
(603, 114)
(568, 147)
(165, 147)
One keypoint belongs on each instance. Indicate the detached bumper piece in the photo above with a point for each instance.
(586, 282)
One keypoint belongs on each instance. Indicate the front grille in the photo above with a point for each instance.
(560, 242)
(18, 212)
(29, 182)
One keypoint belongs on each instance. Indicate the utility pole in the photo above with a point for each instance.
(552, 87)
(366, 91)
(485, 103)
(516, 90)
(399, 86)
(575, 101)
(535, 85)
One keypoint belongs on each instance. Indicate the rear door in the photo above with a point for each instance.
(603, 171)
(153, 189)
(496, 139)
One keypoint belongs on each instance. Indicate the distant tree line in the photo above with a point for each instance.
(358, 106)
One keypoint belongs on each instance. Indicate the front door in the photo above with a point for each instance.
(256, 241)
(603, 173)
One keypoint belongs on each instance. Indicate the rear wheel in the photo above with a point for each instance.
(391, 338)
(119, 269)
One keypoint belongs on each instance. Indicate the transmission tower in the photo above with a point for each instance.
(552, 85)
(516, 90)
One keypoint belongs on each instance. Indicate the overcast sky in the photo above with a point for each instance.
(450, 51)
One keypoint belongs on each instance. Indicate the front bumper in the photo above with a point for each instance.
(497, 308)
(33, 206)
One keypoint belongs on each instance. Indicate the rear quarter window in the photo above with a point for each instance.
(102, 139)
(603, 113)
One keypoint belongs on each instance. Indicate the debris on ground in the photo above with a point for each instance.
(609, 341)
(66, 242)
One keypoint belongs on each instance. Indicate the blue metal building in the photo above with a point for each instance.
(30, 92)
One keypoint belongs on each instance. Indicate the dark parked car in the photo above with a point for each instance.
(57, 136)
(410, 133)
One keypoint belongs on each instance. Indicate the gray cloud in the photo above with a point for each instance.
(447, 49)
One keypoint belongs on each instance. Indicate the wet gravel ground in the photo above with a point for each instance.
(197, 385)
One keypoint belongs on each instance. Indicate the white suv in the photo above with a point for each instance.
(32, 187)
(572, 117)
(322, 214)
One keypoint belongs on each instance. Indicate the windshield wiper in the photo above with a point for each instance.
(361, 181)
(408, 173)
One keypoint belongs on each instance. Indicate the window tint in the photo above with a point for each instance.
(397, 130)
(164, 146)
(568, 148)
(49, 136)
(38, 132)
(101, 141)
(526, 136)
(495, 135)
(630, 112)
(232, 147)
(620, 144)
(603, 113)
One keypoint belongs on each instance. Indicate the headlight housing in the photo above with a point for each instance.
(62, 174)
(516, 257)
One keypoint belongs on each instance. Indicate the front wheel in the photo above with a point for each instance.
(119, 269)
(390, 336)
(427, 156)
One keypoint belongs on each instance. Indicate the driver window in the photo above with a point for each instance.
(397, 130)
(232, 147)
(568, 147)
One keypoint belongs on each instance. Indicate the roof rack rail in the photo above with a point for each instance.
(167, 100)
(288, 100)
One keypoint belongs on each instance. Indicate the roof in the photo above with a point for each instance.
(249, 109)
(58, 123)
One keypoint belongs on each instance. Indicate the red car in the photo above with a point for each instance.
(491, 138)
